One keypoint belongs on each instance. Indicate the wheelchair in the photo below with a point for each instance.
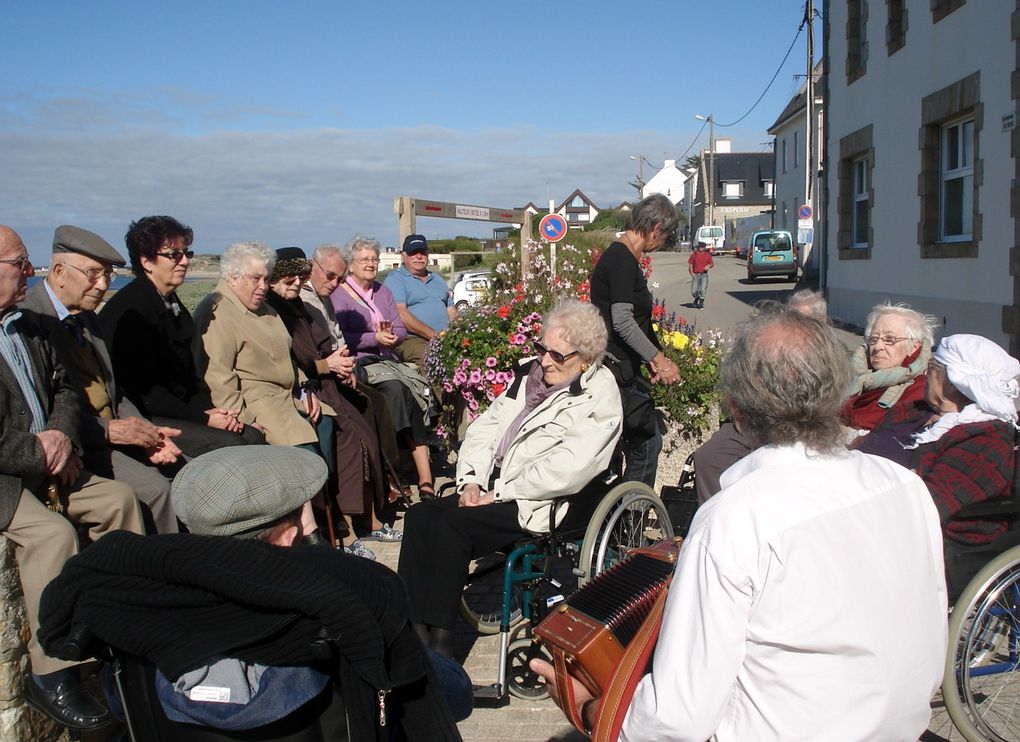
(511, 591)
(981, 684)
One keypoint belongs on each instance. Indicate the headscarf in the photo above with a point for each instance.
(985, 374)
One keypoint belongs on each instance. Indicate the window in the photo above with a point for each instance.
(949, 182)
(861, 211)
(577, 203)
(796, 149)
(856, 39)
(956, 207)
(770, 188)
(784, 155)
(784, 214)
(855, 197)
(895, 26)
(941, 8)
(733, 189)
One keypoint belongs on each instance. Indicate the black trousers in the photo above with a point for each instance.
(196, 438)
(440, 540)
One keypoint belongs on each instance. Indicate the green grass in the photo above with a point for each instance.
(192, 292)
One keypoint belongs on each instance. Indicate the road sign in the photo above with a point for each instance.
(805, 212)
(805, 224)
(553, 227)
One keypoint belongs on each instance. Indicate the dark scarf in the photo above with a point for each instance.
(182, 599)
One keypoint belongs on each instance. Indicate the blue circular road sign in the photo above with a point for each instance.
(553, 227)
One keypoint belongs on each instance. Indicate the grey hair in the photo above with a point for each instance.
(786, 377)
(811, 303)
(582, 326)
(651, 212)
(358, 243)
(330, 248)
(236, 258)
(920, 328)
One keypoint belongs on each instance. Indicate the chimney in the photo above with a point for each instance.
(723, 146)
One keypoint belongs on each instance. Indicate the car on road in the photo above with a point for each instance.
(771, 253)
(470, 289)
(712, 236)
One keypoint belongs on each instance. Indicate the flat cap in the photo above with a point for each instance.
(75, 239)
(240, 490)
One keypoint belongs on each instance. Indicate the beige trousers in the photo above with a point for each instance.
(44, 540)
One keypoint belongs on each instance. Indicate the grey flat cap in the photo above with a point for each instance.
(75, 239)
(239, 490)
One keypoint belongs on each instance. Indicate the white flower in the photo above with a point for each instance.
(655, 284)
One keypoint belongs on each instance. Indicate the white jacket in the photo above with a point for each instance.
(565, 442)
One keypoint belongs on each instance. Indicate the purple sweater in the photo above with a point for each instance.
(356, 321)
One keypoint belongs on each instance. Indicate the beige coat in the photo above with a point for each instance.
(563, 443)
(245, 359)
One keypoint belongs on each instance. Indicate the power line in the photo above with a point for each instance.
(767, 87)
(693, 141)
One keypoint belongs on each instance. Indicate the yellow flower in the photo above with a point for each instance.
(679, 340)
(655, 327)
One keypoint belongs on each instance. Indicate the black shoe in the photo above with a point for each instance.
(68, 705)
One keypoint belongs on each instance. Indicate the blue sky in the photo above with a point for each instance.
(299, 123)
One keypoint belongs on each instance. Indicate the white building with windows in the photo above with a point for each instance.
(669, 181)
(922, 157)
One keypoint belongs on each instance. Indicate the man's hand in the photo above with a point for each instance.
(312, 407)
(341, 363)
(224, 419)
(69, 474)
(581, 694)
(133, 431)
(56, 450)
(166, 451)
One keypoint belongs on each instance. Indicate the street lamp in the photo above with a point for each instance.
(640, 183)
(711, 165)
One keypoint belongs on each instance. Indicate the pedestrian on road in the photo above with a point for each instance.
(698, 266)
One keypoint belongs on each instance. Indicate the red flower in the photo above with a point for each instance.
(504, 312)
(657, 311)
(498, 388)
(466, 342)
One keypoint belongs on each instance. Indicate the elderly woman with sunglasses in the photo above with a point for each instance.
(546, 436)
(959, 439)
(889, 367)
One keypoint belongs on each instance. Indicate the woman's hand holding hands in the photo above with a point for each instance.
(472, 496)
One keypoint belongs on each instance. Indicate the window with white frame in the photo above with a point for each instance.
(956, 181)
(769, 188)
(733, 189)
(577, 203)
(861, 211)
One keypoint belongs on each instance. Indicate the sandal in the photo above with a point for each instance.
(398, 492)
(426, 491)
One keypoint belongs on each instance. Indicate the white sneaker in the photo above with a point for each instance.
(359, 549)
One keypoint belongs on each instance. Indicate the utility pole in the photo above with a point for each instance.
(640, 183)
(711, 169)
(810, 170)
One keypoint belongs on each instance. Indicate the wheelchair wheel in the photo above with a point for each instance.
(981, 685)
(481, 602)
(520, 680)
(630, 516)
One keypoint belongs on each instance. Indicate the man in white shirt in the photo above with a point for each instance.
(809, 600)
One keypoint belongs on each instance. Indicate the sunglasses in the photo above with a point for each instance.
(330, 275)
(177, 255)
(22, 264)
(554, 354)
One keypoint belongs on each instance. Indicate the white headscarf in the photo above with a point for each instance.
(985, 374)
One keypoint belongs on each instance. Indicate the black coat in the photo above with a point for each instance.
(151, 352)
(181, 600)
(22, 459)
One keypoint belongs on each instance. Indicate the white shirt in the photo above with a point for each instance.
(809, 603)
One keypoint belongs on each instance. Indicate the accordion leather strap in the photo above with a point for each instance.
(615, 701)
(568, 701)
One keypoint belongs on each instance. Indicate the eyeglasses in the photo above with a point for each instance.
(554, 354)
(330, 275)
(886, 340)
(296, 278)
(22, 264)
(177, 255)
(93, 274)
(367, 261)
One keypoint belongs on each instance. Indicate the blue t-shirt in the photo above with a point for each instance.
(427, 300)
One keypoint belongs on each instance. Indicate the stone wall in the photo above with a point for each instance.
(18, 723)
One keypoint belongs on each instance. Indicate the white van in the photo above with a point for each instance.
(712, 236)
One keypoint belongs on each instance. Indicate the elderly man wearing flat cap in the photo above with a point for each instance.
(42, 480)
(238, 630)
(423, 299)
(119, 442)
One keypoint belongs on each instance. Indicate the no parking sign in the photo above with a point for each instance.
(553, 227)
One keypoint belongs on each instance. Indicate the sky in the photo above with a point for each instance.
(299, 123)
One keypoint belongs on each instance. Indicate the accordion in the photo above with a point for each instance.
(590, 631)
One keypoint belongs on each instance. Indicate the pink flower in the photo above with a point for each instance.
(490, 362)
(490, 375)
(475, 377)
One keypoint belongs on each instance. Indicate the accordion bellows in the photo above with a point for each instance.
(593, 627)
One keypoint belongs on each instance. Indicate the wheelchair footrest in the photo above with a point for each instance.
(489, 697)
